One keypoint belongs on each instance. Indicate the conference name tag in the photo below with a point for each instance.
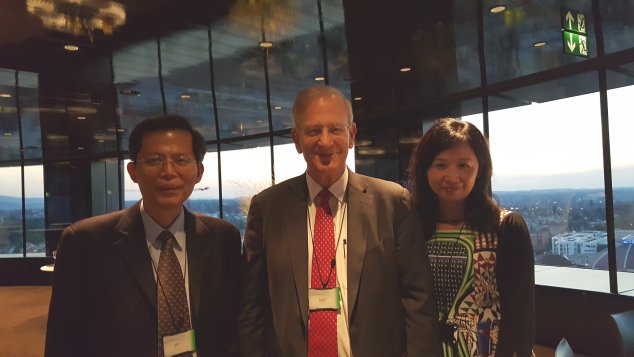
(323, 299)
(179, 343)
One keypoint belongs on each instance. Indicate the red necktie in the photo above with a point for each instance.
(173, 312)
(322, 330)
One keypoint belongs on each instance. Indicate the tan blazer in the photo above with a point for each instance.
(390, 294)
(104, 292)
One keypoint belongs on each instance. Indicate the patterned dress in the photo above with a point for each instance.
(463, 263)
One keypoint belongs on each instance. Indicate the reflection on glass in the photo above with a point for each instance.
(136, 79)
(187, 79)
(30, 115)
(509, 37)
(336, 45)
(9, 133)
(548, 166)
(293, 60)
(618, 27)
(621, 128)
(104, 185)
(11, 212)
(239, 78)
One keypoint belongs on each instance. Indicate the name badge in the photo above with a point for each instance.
(179, 343)
(323, 299)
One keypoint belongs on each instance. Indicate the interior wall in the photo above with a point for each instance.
(582, 317)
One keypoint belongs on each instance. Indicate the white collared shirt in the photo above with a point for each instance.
(338, 206)
(177, 228)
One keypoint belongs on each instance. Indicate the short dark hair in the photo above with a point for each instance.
(163, 123)
(482, 213)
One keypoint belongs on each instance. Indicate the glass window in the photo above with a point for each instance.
(287, 162)
(187, 79)
(618, 24)
(295, 58)
(105, 186)
(30, 114)
(527, 37)
(9, 130)
(204, 199)
(58, 203)
(238, 185)
(336, 45)
(11, 243)
(34, 211)
(136, 78)
(239, 72)
(384, 150)
(465, 36)
(546, 146)
(620, 94)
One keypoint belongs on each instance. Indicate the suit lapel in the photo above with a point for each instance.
(358, 220)
(132, 245)
(197, 250)
(295, 235)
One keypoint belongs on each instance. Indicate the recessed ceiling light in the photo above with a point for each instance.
(361, 143)
(320, 78)
(8, 134)
(71, 48)
(496, 9)
(130, 92)
(371, 151)
(81, 117)
(5, 95)
(80, 148)
(185, 96)
(277, 107)
(406, 69)
(409, 140)
(358, 98)
(540, 44)
(266, 44)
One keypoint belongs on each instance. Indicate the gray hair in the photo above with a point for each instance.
(309, 95)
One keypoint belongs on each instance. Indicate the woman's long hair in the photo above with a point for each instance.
(481, 212)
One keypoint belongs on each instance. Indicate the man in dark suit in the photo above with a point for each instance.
(108, 283)
(375, 282)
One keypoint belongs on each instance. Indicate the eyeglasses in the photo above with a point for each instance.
(158, 161)
(335, 130)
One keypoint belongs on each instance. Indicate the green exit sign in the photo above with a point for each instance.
(575, 44)
(575, 39)
(573, 20)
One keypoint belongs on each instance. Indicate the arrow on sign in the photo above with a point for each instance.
(570, 19)
(571, 44)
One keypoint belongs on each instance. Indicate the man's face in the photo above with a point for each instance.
(323, 135)
(166, 169)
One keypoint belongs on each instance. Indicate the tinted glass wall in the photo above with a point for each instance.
(556, 124)
(233, 69)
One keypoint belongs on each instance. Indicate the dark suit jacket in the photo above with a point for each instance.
(392, 312)
(104, 291)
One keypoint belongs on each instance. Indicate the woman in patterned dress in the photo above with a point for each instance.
(481, 255)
